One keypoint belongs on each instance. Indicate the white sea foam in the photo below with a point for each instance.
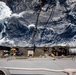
(5, 11)
(21, 14)
(2, 40)
(5, 40)
(18, 15)
(31, 25)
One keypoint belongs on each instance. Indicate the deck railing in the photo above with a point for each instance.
(68, 71)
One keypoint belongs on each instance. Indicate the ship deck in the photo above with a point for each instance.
(49, 62)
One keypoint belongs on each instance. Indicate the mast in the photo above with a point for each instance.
(36, 24)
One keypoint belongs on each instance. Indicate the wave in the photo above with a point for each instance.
(16, 29)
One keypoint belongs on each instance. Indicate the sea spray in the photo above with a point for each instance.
(5, 13)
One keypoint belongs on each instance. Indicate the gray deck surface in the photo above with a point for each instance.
(57, 64)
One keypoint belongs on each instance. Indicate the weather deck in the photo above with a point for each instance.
(45, 63)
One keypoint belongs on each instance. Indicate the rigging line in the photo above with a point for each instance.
(26, 20)
(50, 16)
(48, 7)
(39, 11)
